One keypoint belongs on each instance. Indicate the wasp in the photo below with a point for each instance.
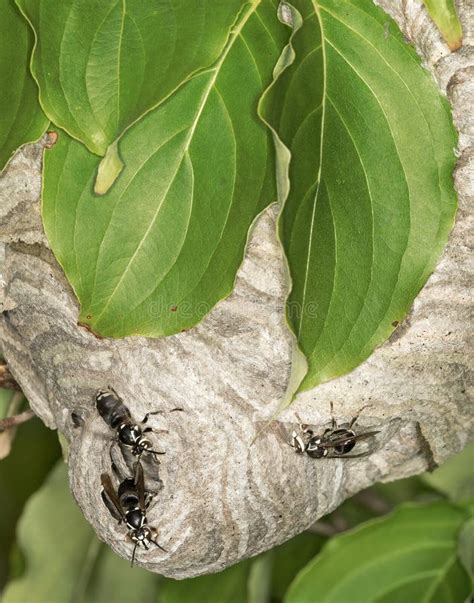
(335, 442)
(117, 416)
(128, 504)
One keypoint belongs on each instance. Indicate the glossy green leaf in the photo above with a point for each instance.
(155, 253)
(228, 586)
(64, 561)
(101, 65)
(379, 500)
(49, 515)
(259, 580)
(466, 547)
(455, 477)
(410, 555)
(443, 13)
(259, 584)
(35, 450)
(113, 579)
(289, 558)
(21, 117)
(369, 199)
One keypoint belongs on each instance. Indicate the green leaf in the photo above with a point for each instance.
(64, 559)
(380, 499)
(155, 253)
(454, 477)
(289, 558)
(371, 199)
(443, 13)
(34, 452)
(21, 117)
(113, 579)
(410, 555)
(466, 546)
(248, 581)
(259, 584)
(49, 515)
(101, 65)
(229, 586)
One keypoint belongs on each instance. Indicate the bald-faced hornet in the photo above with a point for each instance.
(117, 416)
(335, 442)
(129, 504)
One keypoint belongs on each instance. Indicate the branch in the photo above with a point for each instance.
(9, 422)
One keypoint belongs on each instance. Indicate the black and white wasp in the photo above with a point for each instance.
(335, 442)
(128, 504)
(117, 416)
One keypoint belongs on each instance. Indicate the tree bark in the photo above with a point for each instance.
(222, 498)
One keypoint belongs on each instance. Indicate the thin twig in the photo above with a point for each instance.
(330, 528)
(323, 528)
(16, 403)
(373, 502)
(9, 422)
(7, 381)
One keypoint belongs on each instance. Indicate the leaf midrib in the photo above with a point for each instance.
(321, 150)
(349, 576)
(253, 5)
(178, 301)
(416, 102)
(61, 53)
(119, 59)
(86, 87)
(152, 222)
(324, 41)
(374, 95)
(389, 65)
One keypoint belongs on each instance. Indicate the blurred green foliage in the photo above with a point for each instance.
(77, 567)
(5, 396)
(34, 452)
(455, 479)
(81, 569)
(410, 555)
(361, 547)
(291, 557)
(466, 546)
(229, 586)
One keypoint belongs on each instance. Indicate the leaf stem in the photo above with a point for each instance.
(15, 420)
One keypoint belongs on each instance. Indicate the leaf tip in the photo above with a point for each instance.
(109, 170)
(299, 370)
(455, 44)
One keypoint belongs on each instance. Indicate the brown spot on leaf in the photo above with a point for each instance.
(51, 139)
(88, 328)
